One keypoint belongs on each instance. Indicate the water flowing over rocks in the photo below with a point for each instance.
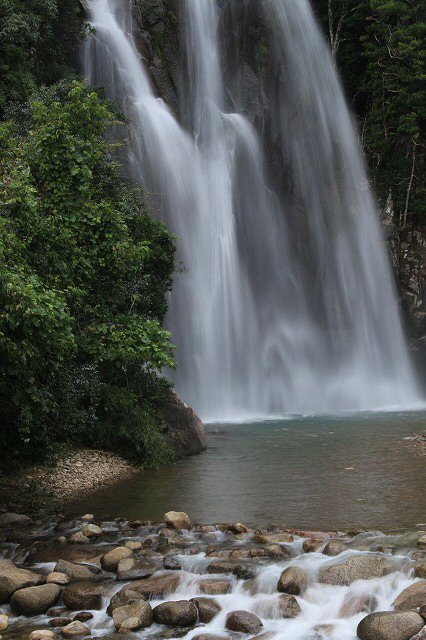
(299, 594)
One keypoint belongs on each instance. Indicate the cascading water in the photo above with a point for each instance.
(285, 302)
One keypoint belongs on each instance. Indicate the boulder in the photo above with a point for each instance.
(132, 617)
(288, 606)
(312, 545)
(272, 538)
(293, 580)
(12, 578)
(390, 625)
(177, 520)
(58, 578)
(182, 427)
(359, 567)
(238, 527)
(123, 597)
(75, 629)
(33, 601)
(83, 616)
(181, 613)
(9, 520)
(83, 595)
(110, 559)
(91, 531)
(79, 538)
(74, 571)
(138, 568)
(157, 586)
(207, 608)
(88, 517)
(42, 634)
(420, 570)
(214, 587)
(412, 597)
(243, 622)
(334, 547)
(422, 541)
(134, 545)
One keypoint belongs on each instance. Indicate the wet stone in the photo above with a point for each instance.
(244, 622)
(208, 608)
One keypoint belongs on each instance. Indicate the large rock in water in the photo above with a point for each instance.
(181, 613)
(412, 597)
(83, 595)
(244, 622)
(182, 427)
(33, 601)
(390, 625)
(360, 567)
(12, 578)
(293, 580)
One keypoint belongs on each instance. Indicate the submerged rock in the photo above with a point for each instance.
(390, 625)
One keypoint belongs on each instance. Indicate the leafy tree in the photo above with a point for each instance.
(83, 275)
(38, 40)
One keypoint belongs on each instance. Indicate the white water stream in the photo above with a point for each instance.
(285, 303)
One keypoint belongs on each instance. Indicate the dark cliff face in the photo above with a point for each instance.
(157, 35)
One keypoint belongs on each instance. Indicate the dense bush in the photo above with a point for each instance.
(84, 272)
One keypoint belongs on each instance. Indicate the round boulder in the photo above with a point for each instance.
(177, 520)
(33, 601)
(110, 559)
(132, 617)
(181, 613)
(334, 547)
(390, 625)
(243, 622)
(293, 580)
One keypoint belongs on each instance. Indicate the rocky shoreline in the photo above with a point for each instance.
(79, 578)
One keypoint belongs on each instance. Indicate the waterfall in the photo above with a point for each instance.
(285, 301)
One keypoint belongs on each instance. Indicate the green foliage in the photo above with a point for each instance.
(38, 40)
(393, 48)
(83, 275)
(380, 54)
